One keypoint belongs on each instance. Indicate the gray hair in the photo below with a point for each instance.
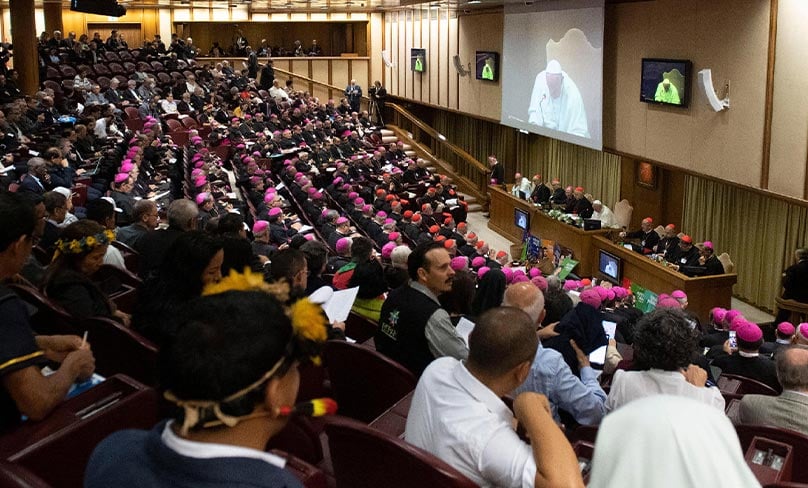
(181, 213)
(792, 368)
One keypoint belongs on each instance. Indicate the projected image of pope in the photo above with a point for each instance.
(666, 92)
(556, 102)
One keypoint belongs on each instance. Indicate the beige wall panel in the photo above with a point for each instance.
(790, 111)
(717, 35)
(418, 78)
(376, 31)
(446, 64)
(339, 75)
(443, 46)
(319, 72)
(359, 72)
(479, 33)
(433, 55)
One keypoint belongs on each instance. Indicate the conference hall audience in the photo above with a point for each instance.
(270, 188)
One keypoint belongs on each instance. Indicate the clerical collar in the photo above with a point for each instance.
(783, 341)
(745, 354)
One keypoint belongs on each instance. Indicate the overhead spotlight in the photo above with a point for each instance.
(474, 2)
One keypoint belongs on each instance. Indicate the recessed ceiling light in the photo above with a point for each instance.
(474, 2)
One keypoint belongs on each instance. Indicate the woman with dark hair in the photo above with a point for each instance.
(79, 254)
(191, 262)
(489, 292)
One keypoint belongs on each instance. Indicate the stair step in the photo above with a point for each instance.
(389, 139)
(431, 169)
(406, 147)
(410, 154)
(387, 133)
(475, 207)
(468, 198)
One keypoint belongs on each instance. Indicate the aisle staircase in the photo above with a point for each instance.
(430, 162)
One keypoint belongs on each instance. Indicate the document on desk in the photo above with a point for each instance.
(305, 228)
(159, 196)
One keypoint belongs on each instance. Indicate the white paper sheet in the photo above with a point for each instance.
(339, 305)
(464, 328)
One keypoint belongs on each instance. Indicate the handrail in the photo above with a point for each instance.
(472, 172)
(315, 82)
(442, 139)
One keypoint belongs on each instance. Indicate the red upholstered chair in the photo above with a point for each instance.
(364, 457)
(301, 438)
(50, 318)
(749, 386)
(174, 124)
(57, 449)
(799, 442)
(15, 476)
(360, 328)
(394, 420)
(365, 383)
(189, 122)
(120, 350)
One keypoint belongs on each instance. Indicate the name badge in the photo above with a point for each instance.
(642, 243)
(683, 260)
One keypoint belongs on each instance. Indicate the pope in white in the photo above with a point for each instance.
(556, 102)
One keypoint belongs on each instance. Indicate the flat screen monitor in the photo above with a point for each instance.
(487, 65)
(521, 219)
(666, 81)
(609, 266)
(418, 59)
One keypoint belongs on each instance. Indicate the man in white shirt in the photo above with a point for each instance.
(278, 93)
(521, 185)
(168, 105)
(457, 413)
(664, 344)
(605, 215)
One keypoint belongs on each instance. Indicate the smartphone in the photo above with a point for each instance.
(733, 340)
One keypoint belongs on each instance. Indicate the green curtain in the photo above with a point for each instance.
(758, 232)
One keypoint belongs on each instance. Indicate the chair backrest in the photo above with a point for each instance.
(120, 350)
(299, 437)
(131, 258)
(799, 443)
(622, 213)
(173, 124)
(394, 420)
(384, 382)
(359, 328)
(726, 262)
(308, 475)
(363, 457)
(131, 113)
(57, 448)
(15, 476)
(50, 318)
(750, 386)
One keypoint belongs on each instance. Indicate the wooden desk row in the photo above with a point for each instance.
(703, 293)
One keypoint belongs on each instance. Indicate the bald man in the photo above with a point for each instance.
(550, 375)
(786, 411)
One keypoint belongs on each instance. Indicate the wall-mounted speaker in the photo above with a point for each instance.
(706, 85)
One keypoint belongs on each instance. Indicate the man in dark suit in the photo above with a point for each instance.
(497, 171)
(113, 94)
(786, 411)
(37, 180)
(559, 195)
(647, 235)
(795, 282)
(541, 194)
(152, 247)
(747, 361)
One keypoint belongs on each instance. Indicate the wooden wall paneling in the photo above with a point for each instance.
(443, 48)
(767, 118)
(434, 56)
(359, 72)
(418, 41)
(320, 72)
(446, 63)
(339, 75)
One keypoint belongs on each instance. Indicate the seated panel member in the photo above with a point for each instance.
(647, 236)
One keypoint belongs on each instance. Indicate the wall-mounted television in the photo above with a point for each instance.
(418, 59)
(666, 81)
(487, 65)
(609, 267)
(521, 219)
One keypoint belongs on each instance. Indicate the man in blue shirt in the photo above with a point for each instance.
(549, 375)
